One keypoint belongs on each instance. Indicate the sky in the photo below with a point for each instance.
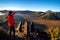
(33, 5)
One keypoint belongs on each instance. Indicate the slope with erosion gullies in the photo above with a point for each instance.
(51, 16)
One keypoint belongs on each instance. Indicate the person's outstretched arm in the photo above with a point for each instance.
(13, 13)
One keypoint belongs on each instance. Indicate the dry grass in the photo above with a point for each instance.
(52, 24)
(48, 22)
(53, 27)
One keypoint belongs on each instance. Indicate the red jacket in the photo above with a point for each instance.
(11, 21)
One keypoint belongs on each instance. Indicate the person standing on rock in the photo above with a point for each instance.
(11, 22)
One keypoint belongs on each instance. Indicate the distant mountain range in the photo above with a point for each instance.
(19, 12)
(41, 15)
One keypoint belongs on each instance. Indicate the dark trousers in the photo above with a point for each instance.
(12, 29)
